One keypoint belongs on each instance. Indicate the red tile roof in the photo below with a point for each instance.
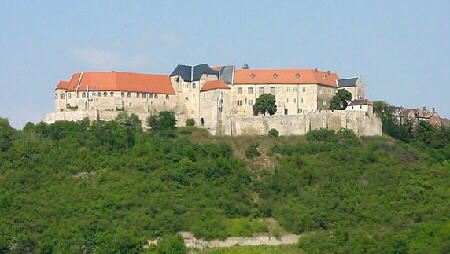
(215, 84)
(285, 76)
(118, 81)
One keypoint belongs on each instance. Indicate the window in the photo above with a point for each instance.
(297, 76)
(252, 76)
(69, 95)
(99, 94)
(144, 95)
(288, 89)
(261, 90)
(250, 102)
(295, 100)
(250, 90)
(150, 95)
(167, 96)
(239, 103)
(301, 100)
(56, 96)
(287, 100)
(84, 95)
(138, 95)
(272, 90)
(128, 94)
(275, 76)
(304, 89)
(122, 94)
(193, 85)
(239, 90)
(324, 103)
(156, 95)
(105, 94)
(299, 110)
(63, 96)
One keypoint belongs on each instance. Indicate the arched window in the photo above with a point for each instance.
(202, 121)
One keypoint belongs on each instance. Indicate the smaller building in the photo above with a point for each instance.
(415, 115)
(362, 105)
(356, 86)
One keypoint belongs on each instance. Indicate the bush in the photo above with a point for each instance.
(252, 151)
(163, 121)
(323, 135)
(190, 122)
(171, 244)
(273, 133)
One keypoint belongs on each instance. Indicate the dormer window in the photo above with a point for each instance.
(252, 76)
(275, 76)
(297, 75)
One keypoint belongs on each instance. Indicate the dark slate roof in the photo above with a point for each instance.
(226, 74)
(201, 69)
(347, 82)
(184, 71)
(193, 73)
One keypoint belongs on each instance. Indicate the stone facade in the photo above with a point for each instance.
(218, 99)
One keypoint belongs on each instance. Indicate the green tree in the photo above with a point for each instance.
(171, 244)
(163, 121)
(6, 134)
(245, 67)
(265, 103)
(340, 100)
(252, 151)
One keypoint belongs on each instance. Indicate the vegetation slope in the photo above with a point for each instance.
(107, 187)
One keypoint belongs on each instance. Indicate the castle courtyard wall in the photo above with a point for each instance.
(361, 123)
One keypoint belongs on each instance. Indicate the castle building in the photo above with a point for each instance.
(210, 96)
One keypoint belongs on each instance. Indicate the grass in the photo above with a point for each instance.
(283, 249)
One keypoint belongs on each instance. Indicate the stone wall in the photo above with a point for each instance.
(191, 242)
(362, 123)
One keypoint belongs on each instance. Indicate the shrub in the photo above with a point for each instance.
(171, 244)
(252, 151)
(273, 133)
(190, 122)
(324, 135)
(163, 121)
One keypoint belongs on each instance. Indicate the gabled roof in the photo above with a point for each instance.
(285, 76)
(193, 73)
(215, 84)
(118, 81)
(347, 82)
(360, 102)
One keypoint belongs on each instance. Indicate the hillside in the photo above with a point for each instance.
(108, 187)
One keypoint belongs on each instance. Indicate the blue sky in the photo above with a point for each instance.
(401, 48)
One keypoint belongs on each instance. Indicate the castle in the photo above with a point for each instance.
(219, 99)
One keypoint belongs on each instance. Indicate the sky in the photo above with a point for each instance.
(400, 48)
